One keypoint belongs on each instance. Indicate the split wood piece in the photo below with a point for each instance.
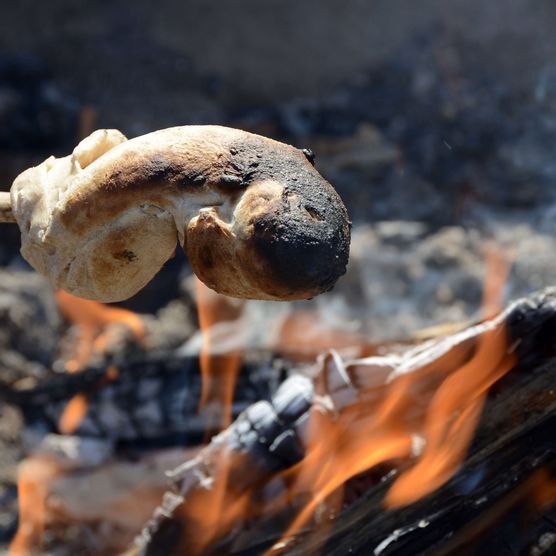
(254, 217)
(270, 436)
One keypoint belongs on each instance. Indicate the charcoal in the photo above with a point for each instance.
(287, 447)
(8, 519)
(532, 322)
(153, 401)
(263, 439)
(269, 428)
(293, 398)
(263, 419)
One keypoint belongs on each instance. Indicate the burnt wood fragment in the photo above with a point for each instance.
(151, 402)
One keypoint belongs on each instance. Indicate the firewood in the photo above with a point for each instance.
(514, 438)
(254, 216)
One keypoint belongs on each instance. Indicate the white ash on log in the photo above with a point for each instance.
(272, 436)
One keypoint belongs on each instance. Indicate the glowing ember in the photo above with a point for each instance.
(218, 372)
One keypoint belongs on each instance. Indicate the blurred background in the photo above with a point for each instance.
(435, 121)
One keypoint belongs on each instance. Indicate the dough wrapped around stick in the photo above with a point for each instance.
(253, 215)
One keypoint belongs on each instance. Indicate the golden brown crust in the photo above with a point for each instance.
(254, 217)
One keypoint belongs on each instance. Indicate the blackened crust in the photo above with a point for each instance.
(303, 237)
(304, 256)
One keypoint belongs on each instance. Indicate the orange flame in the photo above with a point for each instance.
(76, 409)
(215, 510)
(543, 489)
(421, 421)
(35, 475)
(218, 372)
(304, 334)
(74, 412)
(444, 421)
(91, 319)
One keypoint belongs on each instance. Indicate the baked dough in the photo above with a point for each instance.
(253, 215)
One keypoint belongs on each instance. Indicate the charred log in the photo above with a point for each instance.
(513, 441)
(487, 508)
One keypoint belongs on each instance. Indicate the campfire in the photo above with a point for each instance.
(272, 449)
(344, 450)
(264, 399)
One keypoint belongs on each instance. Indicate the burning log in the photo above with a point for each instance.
(254, 216)
(406, 422)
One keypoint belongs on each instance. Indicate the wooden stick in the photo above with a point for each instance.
(6, 214)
